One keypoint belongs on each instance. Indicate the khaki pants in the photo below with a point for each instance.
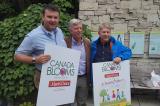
(37, 76)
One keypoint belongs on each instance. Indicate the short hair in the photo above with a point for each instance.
(73, 22)
(104, 25)
(50, 7)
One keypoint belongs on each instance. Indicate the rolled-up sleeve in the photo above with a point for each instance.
(25, 47)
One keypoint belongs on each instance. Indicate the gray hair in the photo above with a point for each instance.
(104, 25)
(74, 22)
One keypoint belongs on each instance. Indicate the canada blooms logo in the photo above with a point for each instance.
(110, 67)
(111, 70)
(60, 68)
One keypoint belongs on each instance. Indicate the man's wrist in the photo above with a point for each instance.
(33, 60)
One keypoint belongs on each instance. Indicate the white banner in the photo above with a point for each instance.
(111, 84)
(58, 77)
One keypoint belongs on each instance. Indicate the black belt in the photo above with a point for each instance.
(82, 75)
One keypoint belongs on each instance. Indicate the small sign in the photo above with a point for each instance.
(111, 84)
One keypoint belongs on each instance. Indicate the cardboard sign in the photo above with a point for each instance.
(111, 84)
(58, 77)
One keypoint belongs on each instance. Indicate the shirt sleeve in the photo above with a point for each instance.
(25, 47)
(125, 52)
(60, 38)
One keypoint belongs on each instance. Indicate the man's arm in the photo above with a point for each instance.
(23, 58)
(41, 59)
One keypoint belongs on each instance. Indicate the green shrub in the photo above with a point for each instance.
(65, 5)
(16, 78)
(6, 10)
(26, 104)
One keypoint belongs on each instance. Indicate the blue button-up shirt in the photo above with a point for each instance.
(34, 42)
(82, 63)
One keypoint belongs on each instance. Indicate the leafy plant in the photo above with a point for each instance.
(16, 78)
(6, 9)
(65, 5)
(26, 104)
(87, 31)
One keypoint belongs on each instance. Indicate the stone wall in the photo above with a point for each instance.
(124, 16)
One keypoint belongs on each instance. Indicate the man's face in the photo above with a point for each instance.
(104, 34)
(50, 19)
(76, 31)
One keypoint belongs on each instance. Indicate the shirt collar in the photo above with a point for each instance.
(74, 42)
(107, 43)
(49, 32)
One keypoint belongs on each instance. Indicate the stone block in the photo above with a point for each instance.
(108, 1)
(86, 13)
(152, 18)
(104, 19)
(144, 23)
(120, 27)
(156, 29)
(94, 20)
(90, 1)
(147, 3)
(133, 23)
(88, 6)
(82, 17)
(100, 12)
(102, 1)
(141, 29)
(118, 21)
(95, 27)
(152, 11)
(133, 4)
(156, 2)
(121, 16)
(131, 29)
(102, 7)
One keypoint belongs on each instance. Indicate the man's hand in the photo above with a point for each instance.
(117, 60)
(41, 59)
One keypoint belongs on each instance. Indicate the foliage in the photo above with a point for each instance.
(16, 79)
(26, 104)
(64, 22)
(87, 31)
(64, 5)
(6, 9)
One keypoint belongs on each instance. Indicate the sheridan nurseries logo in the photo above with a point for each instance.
(60, 69)
(111, 69)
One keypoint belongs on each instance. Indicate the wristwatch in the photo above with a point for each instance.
(33, 60)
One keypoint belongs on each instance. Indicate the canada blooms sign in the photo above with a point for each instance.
(58, 77)
(111, 84)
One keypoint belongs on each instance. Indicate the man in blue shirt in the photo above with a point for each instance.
(106, 48)
(32, 47)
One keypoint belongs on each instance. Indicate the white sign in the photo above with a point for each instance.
(111, 84)
(58, 77)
